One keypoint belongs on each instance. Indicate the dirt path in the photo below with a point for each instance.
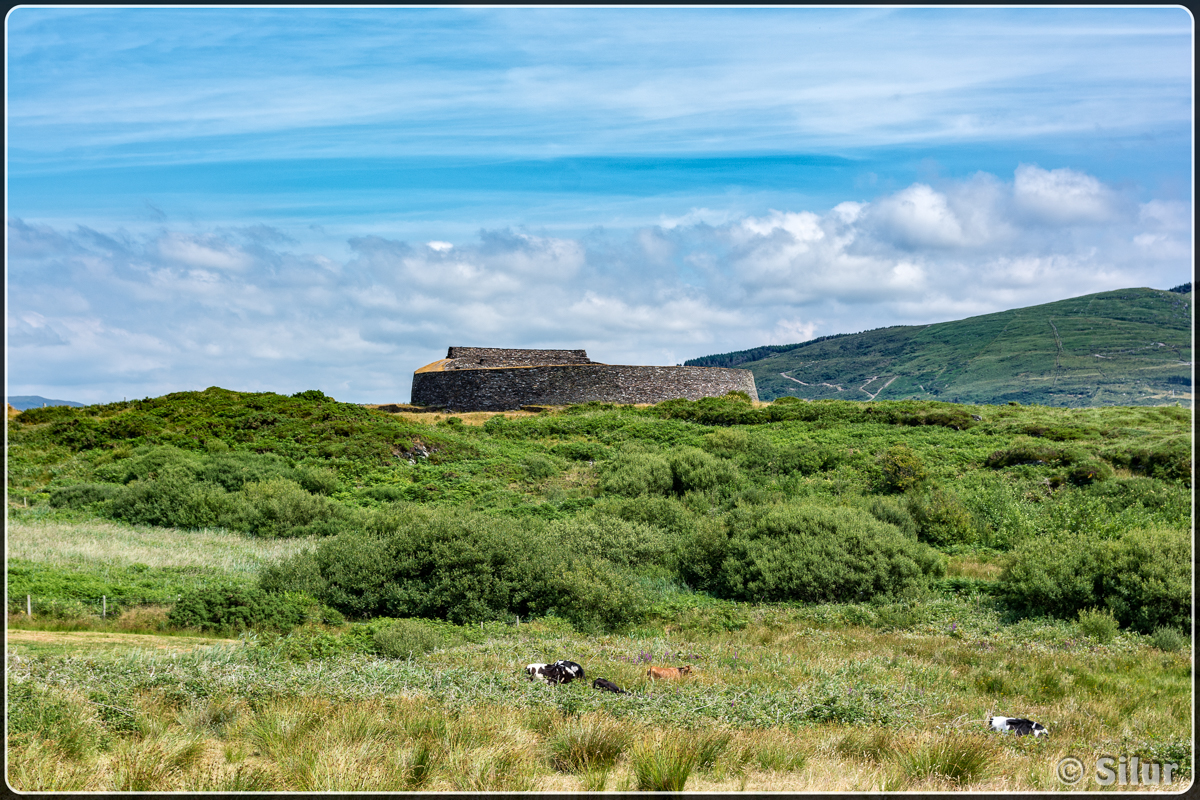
(106, 639)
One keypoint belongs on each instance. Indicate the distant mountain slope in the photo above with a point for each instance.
(24, 401)
(1125, 347)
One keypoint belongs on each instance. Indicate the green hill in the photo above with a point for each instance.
(1125, 347)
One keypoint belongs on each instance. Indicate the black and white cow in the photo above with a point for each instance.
(571, 671)
(1023, 727)
(536, 672)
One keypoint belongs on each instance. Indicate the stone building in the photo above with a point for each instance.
(497, 379)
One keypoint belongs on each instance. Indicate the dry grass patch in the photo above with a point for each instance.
(63, 544)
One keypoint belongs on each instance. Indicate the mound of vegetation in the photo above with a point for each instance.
(594, 512)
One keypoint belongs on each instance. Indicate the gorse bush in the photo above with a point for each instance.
(902, 468)
(692, 469)
(1143, 577)
(817, 554)
(81, 495)
(451, 564)
(635, 471)
(941, 518)
(236, 608)
(627, 544)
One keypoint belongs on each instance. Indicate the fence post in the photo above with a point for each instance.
(104, 606)
(28, 606)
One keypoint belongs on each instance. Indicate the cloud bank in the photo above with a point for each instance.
(99, 315)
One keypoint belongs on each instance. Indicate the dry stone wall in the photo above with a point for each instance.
(476, 357)
(502, 389)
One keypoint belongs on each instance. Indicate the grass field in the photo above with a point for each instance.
(798, 699)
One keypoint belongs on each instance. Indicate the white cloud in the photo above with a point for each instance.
(206, 253)
(919, 217)
(1062, 195)
(185, 310)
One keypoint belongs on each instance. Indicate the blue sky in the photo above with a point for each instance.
(278, 199)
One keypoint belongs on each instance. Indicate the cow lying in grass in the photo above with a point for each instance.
(1023, 727)
(569, 671)
(669, 673)
(556, 673)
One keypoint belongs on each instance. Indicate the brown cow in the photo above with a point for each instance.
(670, 673)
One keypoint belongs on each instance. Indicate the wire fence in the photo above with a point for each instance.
(104, 606)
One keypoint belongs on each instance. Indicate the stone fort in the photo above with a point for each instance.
(497, 379)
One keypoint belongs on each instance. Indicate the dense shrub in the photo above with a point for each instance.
(627, 544)
(580, 451)
(447, 563)
(893, 512)
(280, 507)
(693, 470)
(1027, 451)
(1143, 577)
(902, 468)
(1168, 640)
(635, 471)
(82, 494)
(1099, 624)
(816, 554)
(538, 467)
(234, 608)
(174, 500)
(941, 518)
(667, 513)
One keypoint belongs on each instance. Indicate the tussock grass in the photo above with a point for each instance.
(956, 758)
(589, 743)
(664, 764)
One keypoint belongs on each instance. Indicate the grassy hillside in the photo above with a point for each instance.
(1126, 347)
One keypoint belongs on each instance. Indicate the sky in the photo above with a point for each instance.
(281, 199)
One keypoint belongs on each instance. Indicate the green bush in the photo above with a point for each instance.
(693, 470)
(634, 471)
(893, 512)
(81, 495)
(1142, 577)
(580, 451)
(449, 563)
(1168, 640)
(1098, 624)
(538, 467)
(625, 543)
(902, 469)
(173, 499)
(816, 554)
(280, 507)
(1167, 460)
(236, 608)
(941, 518)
